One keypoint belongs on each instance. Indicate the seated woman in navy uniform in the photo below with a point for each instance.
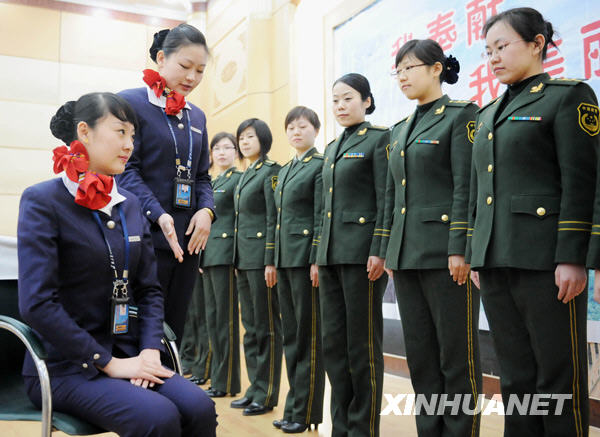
(85, 255)
(168, 169)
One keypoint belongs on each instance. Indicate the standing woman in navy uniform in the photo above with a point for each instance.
(221, 296)
(253, 257)
(350, 267)
(85, 255)
(428, 195)
(168, 170)
(532, 194)
(298, 199)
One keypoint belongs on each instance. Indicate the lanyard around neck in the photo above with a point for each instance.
(178, 166)
(119, 284)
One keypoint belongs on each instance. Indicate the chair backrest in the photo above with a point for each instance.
(13, 351)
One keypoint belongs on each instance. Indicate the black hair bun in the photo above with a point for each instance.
(371, 108)
(159, 38)
(62, 124)
(451, 70)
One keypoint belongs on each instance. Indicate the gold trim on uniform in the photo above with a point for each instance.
(313, 356)
(470, 354)
(575, 358)
(272, 349)
(372, 363)
(230, 363)
(537, 88)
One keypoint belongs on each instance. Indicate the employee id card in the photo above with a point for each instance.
(120, 315)
(183, 193)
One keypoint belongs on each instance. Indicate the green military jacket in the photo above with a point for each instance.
(354, 197)
(298, 199)
(533, 177)
(219, 247)
(255, 216)
(427, 194)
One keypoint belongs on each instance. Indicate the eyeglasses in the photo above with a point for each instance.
(404, 70)
(219, 148)
(489, 54)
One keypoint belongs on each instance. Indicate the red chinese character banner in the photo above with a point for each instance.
(368, 42)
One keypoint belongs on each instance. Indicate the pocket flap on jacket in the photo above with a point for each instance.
(359, 217)
(301, 230)
(538, 206)
(436, 214)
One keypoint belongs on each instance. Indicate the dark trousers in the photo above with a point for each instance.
(175, 408)
(541, 344)
(222, 323)
(440, 320)
(262, 339)
(177, 282)
(352, 329)
(301, 322)
(196, 349)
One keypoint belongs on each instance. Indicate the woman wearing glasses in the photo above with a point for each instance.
(220, 292)
(532, 191)
(426, 205)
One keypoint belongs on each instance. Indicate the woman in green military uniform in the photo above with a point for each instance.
(254, 259)
(222, 314)
(298, 198)
(532, 194)
(427, 195)
(350, 266)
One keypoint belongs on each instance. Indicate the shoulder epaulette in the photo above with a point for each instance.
(331, 142)
(492, 102)
(459, 103)
(318, 155)
(563, 81)
(378, 127)
(236, 171)
(269, 162)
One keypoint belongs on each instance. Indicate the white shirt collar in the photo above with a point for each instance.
(161, 101)
(115, 196)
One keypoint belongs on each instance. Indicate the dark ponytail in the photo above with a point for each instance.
(89, 108)
(169, 41)
(527, 22)
(360, 84)
(429, 52)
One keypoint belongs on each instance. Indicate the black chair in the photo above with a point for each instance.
(15, 336)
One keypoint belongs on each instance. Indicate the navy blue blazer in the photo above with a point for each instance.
(65, 279)
(151, 169)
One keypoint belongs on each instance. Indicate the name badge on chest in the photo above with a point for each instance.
(119, 308)
(183, 191)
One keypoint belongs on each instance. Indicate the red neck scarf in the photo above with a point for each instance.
(94, 189)
(175, 101)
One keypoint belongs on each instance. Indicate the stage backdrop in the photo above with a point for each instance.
(367, 43)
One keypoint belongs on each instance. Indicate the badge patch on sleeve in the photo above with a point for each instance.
(471, 131)
(588, 118)
(273, 182)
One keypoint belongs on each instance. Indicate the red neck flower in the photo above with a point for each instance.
(94, 189)
(72, 160)
(175, 101)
